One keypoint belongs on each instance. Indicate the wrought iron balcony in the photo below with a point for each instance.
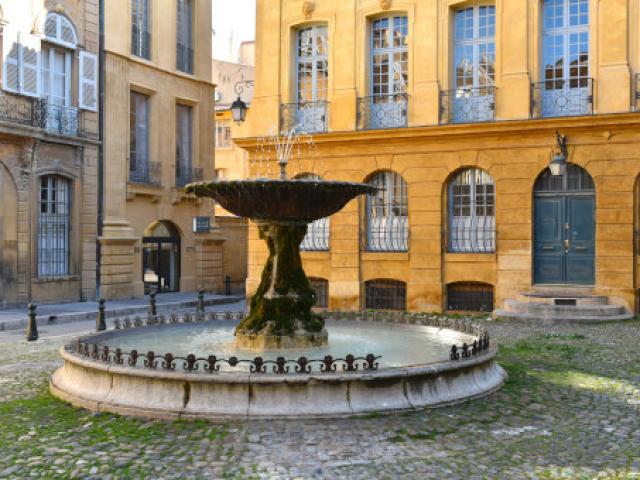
(61, 120)
(468, 105)
(382, 111)
(637, 95)
(186, 175)
(21, 110)
(307, 117)
(562, 98)
(317, 237)
(184, 58)
(144, 172)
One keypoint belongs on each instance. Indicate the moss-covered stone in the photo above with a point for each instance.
(283, 301)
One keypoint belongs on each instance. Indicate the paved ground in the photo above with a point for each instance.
(570, 410)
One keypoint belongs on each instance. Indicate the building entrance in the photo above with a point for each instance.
(161, 258)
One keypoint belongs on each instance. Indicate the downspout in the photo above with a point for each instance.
(101, 74)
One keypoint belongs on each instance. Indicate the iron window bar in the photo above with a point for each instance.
(468, 105)
(470, 297)
(21, 110)
(317, 237)
(382, 111)
(307, 117)
(385, 295)
(60, 119)
(186, 175)
(320, 287)
(562, 98)
(144, 172)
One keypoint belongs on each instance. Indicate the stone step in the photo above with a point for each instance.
(558, 298)
(538, 319)
(562, 290)
(573, 311)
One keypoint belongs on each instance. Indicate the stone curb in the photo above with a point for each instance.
(21, 323)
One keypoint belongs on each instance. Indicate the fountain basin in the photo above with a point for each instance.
(420, 381)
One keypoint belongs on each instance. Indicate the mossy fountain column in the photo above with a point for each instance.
(280, 313)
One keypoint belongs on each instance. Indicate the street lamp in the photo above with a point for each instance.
(558, 164)
(239, 108)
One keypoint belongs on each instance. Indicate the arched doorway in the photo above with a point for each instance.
(161, 258)
(8, 237)
(564, 228)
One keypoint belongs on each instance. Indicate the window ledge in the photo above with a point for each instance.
(465, 257)
(64, 278)
(377, 256)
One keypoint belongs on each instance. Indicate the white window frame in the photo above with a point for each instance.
(387, 214)
(318, 33)
(48, 59)
(223, 134)
(475, 42)
(60, 22)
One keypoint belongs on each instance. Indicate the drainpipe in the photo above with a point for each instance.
(101, 146)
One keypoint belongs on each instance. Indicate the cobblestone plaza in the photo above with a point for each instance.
(569, 410)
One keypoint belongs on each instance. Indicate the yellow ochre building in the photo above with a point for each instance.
(452, 108)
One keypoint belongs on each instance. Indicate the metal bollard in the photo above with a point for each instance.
(101, 323)
(153, 311)
(32, 327)
(200, 304)
(227, 285)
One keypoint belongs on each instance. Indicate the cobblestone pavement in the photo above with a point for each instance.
(569, 410)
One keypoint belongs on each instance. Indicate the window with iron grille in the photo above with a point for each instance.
(140, 29)
(184, 37)
(385, 295)
(184, 170)
(472, 221)
(54, 226)
(387, 212)
(321, 287)
(318, 231)
(470, 297)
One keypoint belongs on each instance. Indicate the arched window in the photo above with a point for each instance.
(470, 297)
(312, 67)
(472, 221)
(389, 73)
(317, 237)
(565, 58)
(54, 226)
(58, 29)
(382, 294)
(321, 287)
(388, 214)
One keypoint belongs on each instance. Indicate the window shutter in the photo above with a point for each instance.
(30, 65)
(88, 91)
(10, 60)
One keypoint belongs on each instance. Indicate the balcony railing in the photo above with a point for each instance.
(20, 110)
(637, 93)
(468, 105)
(307, 117)
(317, 237)
(61, 120)
(186, 175)
(382, 111)
(184, 60)
(562, 98)
(144, 172)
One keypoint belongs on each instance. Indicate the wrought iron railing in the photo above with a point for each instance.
(140, 42)
(472, 235)
(637, 93)
(21, 110)
(186, 175)
(307, 117)
(562, 98)
(317, 237)
(382, 111)
(144, 172)
(468, 105)
(387, 234)
(184, 58)
(61, 120)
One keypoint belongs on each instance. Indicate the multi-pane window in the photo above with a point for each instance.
(321, 287)
(318, 231)
(139, 138)
(474, 63)
(140, 29)
(184, 37)
(389, 72)
(184, 128)
(385, 295)
(565, 57)
(472, 224)
(54, 226)
(470, 297)
(223, 134)
(388, 214)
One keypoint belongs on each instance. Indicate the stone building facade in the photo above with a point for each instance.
(48, 151)
(452, 109)
(159, 136)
